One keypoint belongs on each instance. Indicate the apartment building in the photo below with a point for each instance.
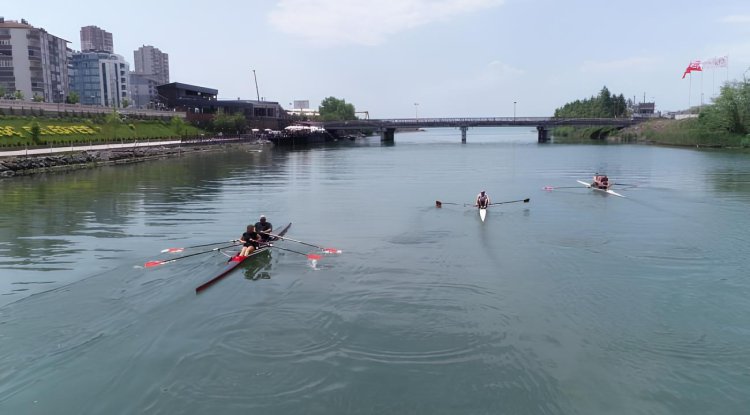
(101, 78)
(96, 39)
(33, 62)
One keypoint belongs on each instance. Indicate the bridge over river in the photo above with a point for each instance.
(387, 127)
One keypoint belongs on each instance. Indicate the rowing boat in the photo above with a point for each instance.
(236, 260)
(482, 213)
(608, 191)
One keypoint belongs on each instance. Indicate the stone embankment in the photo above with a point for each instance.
(26, 165)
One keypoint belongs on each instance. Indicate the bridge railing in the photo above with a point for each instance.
(474, 122)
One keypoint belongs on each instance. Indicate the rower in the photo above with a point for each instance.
(483, 200)
(251, 240)
(601, 182)
(264, 228)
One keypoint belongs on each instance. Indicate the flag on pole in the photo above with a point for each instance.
(718, 62)
(694, 66)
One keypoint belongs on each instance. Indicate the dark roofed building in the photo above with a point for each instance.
(201, 103)
(645, 108)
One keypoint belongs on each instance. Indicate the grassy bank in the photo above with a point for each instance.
(569, 134)
(22, 131)
(687, 132)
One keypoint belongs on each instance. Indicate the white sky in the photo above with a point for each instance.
(457, 58)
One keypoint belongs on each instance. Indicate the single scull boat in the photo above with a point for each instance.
(608, 191)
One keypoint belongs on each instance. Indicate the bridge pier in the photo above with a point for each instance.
(542, 134)
(464, 129)
(387, 134)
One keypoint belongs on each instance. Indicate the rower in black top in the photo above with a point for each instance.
(251, 240)
(264, 228)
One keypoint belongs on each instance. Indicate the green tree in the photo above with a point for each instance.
(334, 109)
(18, 95)
(222, 122)
(229, 124)
(73, 98)
(177, 125)
(604, 105)
(2, 92)
(114, 121)
(125, 102)
(36, 131)
(240, 123)
(730, 111)
(38, 98)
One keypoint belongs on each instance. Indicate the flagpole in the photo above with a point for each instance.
(690, 90)
(727, 68)
(701, 105)
(713, 82)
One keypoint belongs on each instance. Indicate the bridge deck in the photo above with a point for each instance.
(476, 122)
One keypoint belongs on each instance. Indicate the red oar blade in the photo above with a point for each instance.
(314, 257)
(152, 263)
(172, 250)
(332, 251)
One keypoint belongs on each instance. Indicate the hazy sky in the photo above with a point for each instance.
(461, 58)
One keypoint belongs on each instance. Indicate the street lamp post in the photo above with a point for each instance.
(514, 112)
(416, 110)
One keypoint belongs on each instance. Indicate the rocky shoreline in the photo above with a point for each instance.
(29, 165)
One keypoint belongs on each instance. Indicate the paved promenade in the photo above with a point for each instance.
(52, 150)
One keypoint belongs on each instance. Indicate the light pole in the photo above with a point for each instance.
(514, 111)
(416, 110)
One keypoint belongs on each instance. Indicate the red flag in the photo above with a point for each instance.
(694, 66)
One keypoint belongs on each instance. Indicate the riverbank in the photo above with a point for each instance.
(75, 160)
(667, 132)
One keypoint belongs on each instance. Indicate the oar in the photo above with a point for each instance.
(625, 184)
(312, 257)
(157, 262)
(512, 201)
(440, 204)
(561, 187)
(326, 250)
(176, 250)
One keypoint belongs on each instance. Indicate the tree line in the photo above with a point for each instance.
(604, 105)
(730, 111)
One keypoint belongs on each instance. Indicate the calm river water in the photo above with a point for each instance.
(574, 303)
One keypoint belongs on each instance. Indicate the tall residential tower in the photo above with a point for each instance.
(151, 61)
(33, 62)
(151, 70)
(95, 39)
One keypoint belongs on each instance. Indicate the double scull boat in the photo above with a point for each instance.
(236, 260)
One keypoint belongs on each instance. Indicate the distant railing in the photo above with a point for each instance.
(61, 108)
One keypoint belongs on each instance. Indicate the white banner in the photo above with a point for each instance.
(719, 62)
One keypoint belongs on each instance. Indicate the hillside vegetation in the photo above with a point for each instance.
(41, 131)
(723, 123)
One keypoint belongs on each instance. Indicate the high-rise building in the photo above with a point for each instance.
(95, 39)
(33, 62)
(100, 78)
(151, 70)
(151, 61)
(143, 90)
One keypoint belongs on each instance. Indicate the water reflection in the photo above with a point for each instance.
(56, 221)
(259, 267)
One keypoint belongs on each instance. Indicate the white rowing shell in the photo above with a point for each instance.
(611, 192)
